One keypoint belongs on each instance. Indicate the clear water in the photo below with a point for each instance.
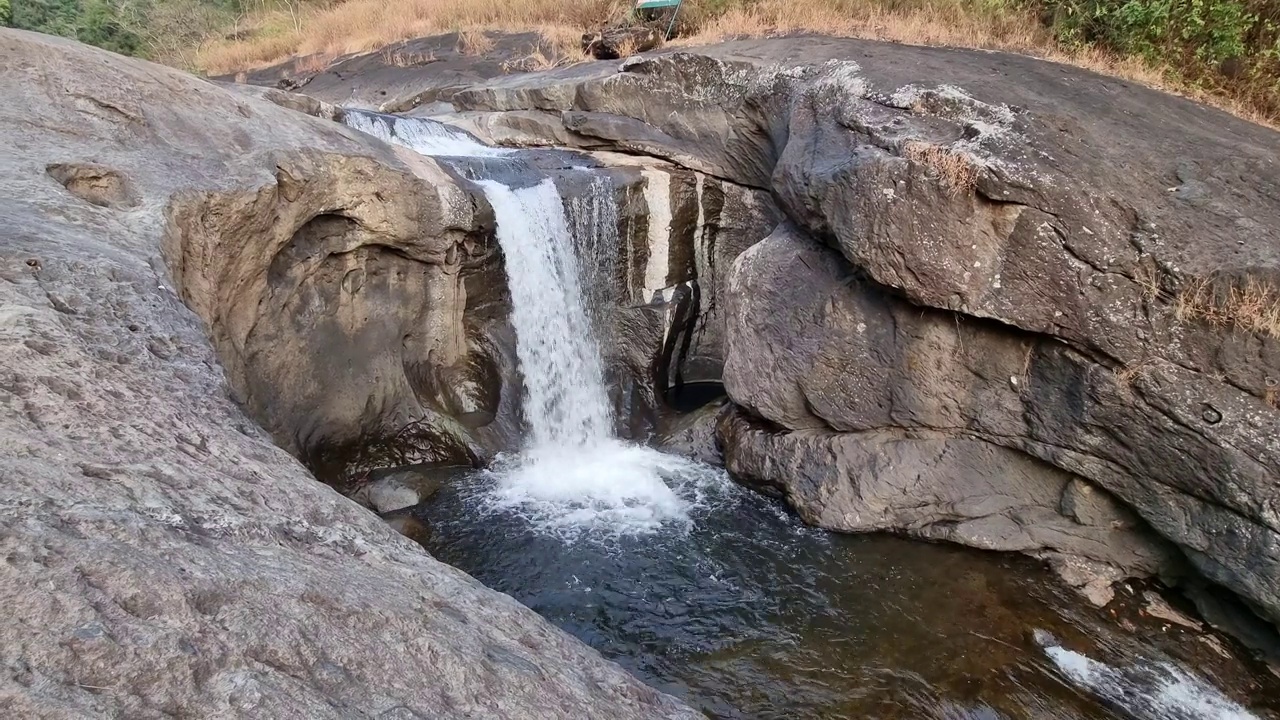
(744, 612)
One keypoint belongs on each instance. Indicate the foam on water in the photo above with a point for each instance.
(426, 137)
(1149, 691)
(572, 474)
(609, 489)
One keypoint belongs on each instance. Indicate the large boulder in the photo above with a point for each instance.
(868, 413)
(161, 555)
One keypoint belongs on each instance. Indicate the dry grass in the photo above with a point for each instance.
(405, 58)
(944, 23)
(627, 48)
(474, 42)
(1249, 305)
(955, 170)
(311, 64)
(365, 25)
(1127, 375)
(557, 47)
(352, 26)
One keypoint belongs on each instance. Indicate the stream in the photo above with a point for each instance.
(720, 596)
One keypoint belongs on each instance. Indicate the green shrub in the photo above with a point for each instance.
(1213, 31)
(1227, 46)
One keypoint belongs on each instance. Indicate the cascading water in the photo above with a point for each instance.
(426, 137)
(594, 219)
(565, 402)
(572, 473)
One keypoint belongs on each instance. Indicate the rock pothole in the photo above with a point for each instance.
(95, 184)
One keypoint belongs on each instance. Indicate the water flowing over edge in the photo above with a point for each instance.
(423, 136)
(572, 475)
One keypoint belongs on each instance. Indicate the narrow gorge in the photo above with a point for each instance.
(782, 378)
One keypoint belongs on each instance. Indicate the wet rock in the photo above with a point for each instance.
(1158, 608)
(397, 488)
(162, 557)
(693, 435)
(409, 525)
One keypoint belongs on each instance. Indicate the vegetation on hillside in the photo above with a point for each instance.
(1224, 51)
(170, 31)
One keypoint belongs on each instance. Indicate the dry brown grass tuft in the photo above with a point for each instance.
(1127, 375)
(627, 48)
(474, 42)
(1249, 304)
(312, 64)
(955, 170)
(405, 58)
(557, 47)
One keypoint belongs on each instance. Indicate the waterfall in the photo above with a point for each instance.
(594, 218)
(426, 137)
(572, 474)
(566, 404)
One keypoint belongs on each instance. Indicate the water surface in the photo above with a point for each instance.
(746, 613)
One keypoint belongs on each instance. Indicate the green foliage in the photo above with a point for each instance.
(1228, 46)
(1211, 31)
(55, 17)
(147, 28)
(100, 23)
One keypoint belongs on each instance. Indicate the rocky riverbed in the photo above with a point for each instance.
(954, 295)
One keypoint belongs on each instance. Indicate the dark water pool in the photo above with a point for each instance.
(746, 613)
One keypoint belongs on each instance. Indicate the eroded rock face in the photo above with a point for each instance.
(867, 413)
(161, 555)
(336, 297)
(1033, 251)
